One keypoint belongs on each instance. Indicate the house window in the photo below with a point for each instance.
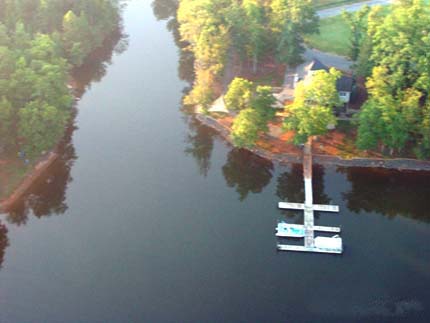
(343, 94)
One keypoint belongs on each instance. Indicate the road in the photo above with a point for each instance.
(330, 12)
(328, 59)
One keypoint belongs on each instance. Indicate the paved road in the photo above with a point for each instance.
(350, 7)
(332, 60)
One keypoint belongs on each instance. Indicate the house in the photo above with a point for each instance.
(343, 84)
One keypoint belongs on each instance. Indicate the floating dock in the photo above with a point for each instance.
(286, 230)
(332, 245)
(286, 247)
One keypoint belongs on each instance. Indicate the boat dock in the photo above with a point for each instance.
(306, 231)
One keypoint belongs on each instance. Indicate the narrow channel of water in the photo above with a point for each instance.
(151, 217)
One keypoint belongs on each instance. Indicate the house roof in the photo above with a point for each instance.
(316, 65)
(344, 84)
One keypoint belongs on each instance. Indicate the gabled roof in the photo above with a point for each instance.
(316, 65)
(344, 84)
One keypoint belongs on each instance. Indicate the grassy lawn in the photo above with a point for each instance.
(334, 33)
(333, 37)
(322, 4)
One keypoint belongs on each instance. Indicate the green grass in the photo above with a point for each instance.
(333, 37)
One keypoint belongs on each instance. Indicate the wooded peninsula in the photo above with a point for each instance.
(388, 47)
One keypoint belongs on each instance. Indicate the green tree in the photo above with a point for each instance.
(423, 150)
(7, 117)
(365, 63)
(254, 30)
(41, 126)
(239, 94)
(370, 126)
(4, 37)
(203, 26)
(76, 38)
(290, 20)
(312, 110)
(263, 102)
(400, 81)
(387, 119)
(252, 121)
(246, 128)
(357, 25)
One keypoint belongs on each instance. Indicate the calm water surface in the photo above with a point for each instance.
(150, 217)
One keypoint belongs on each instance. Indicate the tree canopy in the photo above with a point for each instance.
(252, 29)
(312, 110)
(239, 94)
(40, 40)
(397, 112)
(252, 120)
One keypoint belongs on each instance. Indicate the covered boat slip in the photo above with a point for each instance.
(321, 244)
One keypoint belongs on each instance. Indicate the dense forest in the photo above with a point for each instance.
(249, 29)
(40, 41)
(392, 50)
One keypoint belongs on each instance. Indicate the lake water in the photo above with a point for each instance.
(151, 217)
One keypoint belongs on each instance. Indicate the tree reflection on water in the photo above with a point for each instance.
(166, 10)
(247, 172)
(48, 194)
(388, 192)
(291, 185)
(200, 142)
(4, 242)
(291, 188)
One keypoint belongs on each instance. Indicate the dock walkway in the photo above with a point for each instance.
(322, 245)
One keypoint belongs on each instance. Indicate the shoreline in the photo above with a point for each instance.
(44, 162)
(28, 180)
(288, 158)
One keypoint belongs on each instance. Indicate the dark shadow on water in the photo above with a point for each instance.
(200, 143)
(47, 195)
(95, 65)
(247, 172)
(166, 10)
(388, 192)
(4, 242)
(291, 187)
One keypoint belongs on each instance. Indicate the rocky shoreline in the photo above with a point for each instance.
(395, 163)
